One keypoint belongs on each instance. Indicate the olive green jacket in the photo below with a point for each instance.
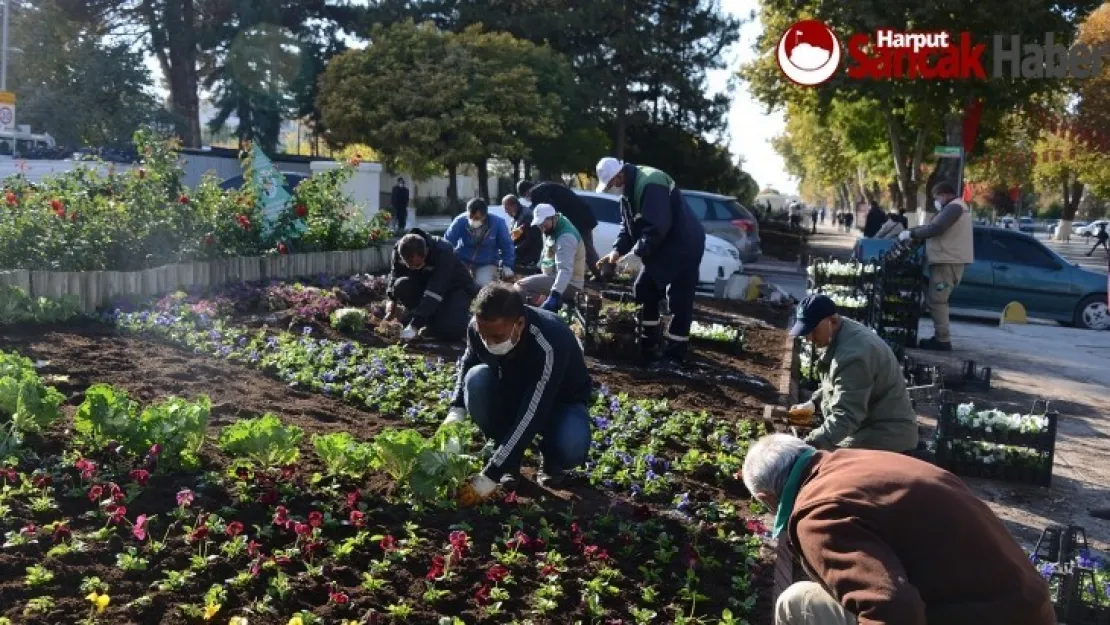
(862, 395)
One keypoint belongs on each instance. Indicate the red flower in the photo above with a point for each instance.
(497, 573)
(301, 529)
(300, 210)
(756, 526)
(198, 534)
(338, 597)
(518, 541)
(510, 498)
(288, 471)
(281, 560)
(388, 543)
(244, 222)
(11, 198)
(315, 519)
(155, 449)
(61, 532)
(269, 498)
(282, 249)
(548, 570)
(29, 530)
(42, 480)
(86, 467)
(57, 206)
(96, 492)
(481, 596)
(139, 528)
(437, 568)
(141, 476)
(253, 548)
(358, 519)
(459, 542)
(233, 529)
(595, 552)
(352, 499)
(184, 199)
(281, 515)
(115, 513)
(9, 475)
(117, 493)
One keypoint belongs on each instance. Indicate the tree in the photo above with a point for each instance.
(74, 85)
(421, 97)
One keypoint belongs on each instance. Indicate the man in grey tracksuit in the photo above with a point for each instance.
(563, 262)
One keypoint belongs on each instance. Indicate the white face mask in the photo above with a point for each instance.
(476, 223)
(615, 190)
(938, 204)
(500, 349)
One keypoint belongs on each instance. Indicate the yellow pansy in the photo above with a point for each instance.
(210, 611)
(296, 620)
(237, 620)
(99, 601)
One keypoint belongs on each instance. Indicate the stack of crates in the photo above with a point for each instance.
(852, 285)
(901, 298)
(1064, 559)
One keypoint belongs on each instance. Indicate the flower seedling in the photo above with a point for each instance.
(38, 575)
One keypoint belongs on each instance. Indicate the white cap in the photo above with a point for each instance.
(607, 169)
(542, 213)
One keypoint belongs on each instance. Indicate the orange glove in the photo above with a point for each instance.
(477, 490)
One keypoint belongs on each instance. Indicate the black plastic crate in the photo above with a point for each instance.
(1075, 595)
(949, 427)
(1025, 457)
(972, 379)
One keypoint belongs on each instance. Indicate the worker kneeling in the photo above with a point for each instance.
(522, 374)
(563, 264)
(890, 540)
(862, 394)
(433, 286)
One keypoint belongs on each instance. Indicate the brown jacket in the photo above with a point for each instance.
(898, 541)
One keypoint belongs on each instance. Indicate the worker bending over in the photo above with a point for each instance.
(563, 264)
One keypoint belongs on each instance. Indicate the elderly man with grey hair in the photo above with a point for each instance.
(890, 540)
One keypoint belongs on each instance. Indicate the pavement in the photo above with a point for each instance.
(1075, 251)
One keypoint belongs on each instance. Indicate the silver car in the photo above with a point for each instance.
(725, 217)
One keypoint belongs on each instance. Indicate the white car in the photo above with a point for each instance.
(721, 258)
(1091, 229)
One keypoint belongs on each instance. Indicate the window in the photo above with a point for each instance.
(605, 209)
(699, 206)
(1023, 251)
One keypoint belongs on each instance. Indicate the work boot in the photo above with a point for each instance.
(551, 477)
(649, 344)
(675, 351)
(933, 344)
(1100, 513)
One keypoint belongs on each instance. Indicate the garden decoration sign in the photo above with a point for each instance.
(272, 186)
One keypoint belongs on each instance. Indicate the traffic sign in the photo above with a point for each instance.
(948, 151)
(7, 110)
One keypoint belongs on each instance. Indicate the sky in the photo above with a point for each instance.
(750, 127)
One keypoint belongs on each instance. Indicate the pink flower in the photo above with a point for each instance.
(253, 548)
(338, 597)
(185, 498)
(9, 475)
(86, 467)
(233, 529)
(388, 543)
(510, 498)
(281, 515)
(141, 476)
(459, 541)
(155, 449)
(139, 528)
(115, 513)
(358, 519)
(315, 519)
(481, 596)
(518, 541)
(29, 530)
(437, 568)
(756, 526)
(352, 499)
(96, 492)
(301, 529)
(198, 534)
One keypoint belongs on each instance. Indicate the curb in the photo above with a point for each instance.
(787, 387)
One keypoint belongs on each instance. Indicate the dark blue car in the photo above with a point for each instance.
(1010, 266)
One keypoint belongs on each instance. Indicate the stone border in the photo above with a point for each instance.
(787, 387)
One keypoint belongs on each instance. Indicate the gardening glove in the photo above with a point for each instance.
(506, 272)
(454, 415)
(905, 236)
(390, 310)
(553, 302)
(408, 333)
(476, 490)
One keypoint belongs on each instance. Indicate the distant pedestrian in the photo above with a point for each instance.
(848, 219)
(1103, 237)
(822, 215)
(399, 199)
(813, 220)
(874, 221)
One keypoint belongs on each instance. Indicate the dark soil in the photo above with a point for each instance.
(717, 381)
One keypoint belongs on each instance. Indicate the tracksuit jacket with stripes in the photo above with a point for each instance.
(546, 368)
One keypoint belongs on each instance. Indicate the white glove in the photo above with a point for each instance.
(408, 333)
(905, 236)
(623, 260)
(454, 415)
(483, 485)
(506, 272)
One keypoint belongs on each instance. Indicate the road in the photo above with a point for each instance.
(1075, 251)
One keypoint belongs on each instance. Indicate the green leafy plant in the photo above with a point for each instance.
(27, 406)
(349, 319)
(426, 466)
(264, 440)
(344, 456)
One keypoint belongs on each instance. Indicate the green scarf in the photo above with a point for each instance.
(790, 492)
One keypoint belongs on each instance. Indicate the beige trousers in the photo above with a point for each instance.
(943, 277)
(807, 603)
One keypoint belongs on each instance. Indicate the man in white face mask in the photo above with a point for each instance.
(522, 374)
(949, 248)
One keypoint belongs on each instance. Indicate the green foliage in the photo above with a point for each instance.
(427, 467)
(27, 406)
(349, 319)
(265, 441)
(343, 456)
(18, 307)
(109, 415)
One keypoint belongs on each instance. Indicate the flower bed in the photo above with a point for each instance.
(275, 524)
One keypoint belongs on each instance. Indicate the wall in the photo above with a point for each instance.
(364, 187)
(36, 170)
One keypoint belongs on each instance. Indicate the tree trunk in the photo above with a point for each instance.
(453, 187)
(906, 166)
(173, 39)
(897, 200)
(948, 169)
(483, 179)
(516, 170)
(527, 170)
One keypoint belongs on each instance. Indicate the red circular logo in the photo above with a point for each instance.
(808, 53)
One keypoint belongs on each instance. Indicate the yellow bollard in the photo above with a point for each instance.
(1014, 312)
